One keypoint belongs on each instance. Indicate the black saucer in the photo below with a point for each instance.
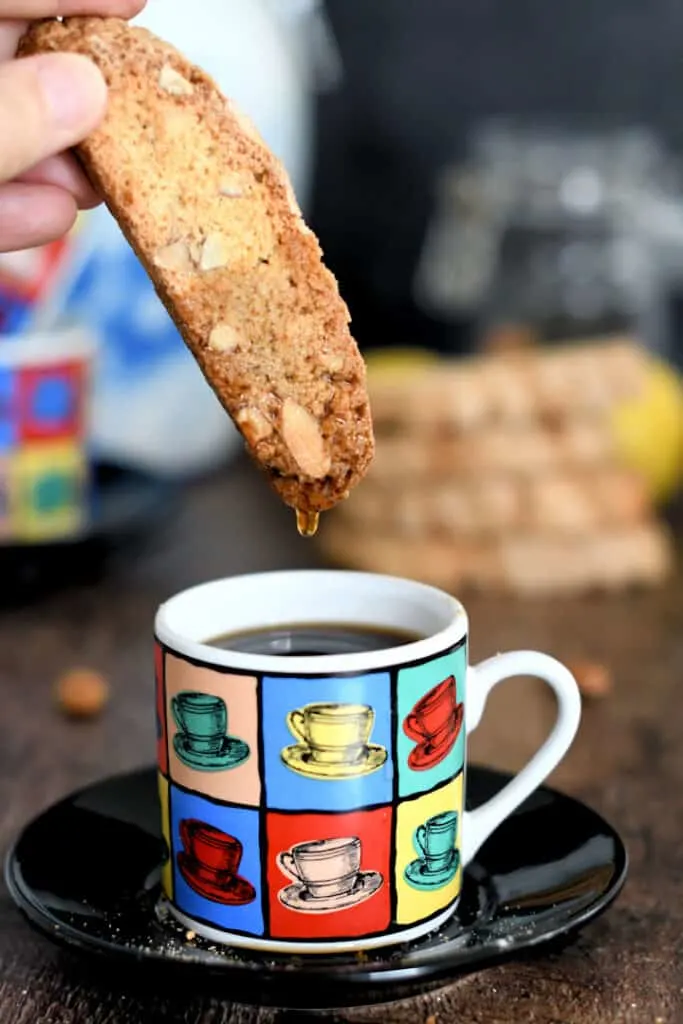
(86, 873)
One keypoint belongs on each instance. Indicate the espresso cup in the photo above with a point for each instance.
(348, 840)
(334, 733)
(203, 718)
(326, 867)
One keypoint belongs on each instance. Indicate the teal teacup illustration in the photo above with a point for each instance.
(203, 719)
(202, 741)
(439, 859)
(436, 840)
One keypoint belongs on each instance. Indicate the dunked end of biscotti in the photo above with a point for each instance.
(212, 216)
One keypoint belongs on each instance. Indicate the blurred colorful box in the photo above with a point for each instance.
(45, 475)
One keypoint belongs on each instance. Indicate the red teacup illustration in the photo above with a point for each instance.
(434, 724)
(210, 862)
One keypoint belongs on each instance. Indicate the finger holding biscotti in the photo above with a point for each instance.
(30, 9)
(47, 104)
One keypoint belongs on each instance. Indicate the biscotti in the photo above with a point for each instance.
(212, 216)
(533, 491)
(519, 390)
(528, 564)
(563, 504)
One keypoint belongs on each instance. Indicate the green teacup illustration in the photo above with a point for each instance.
(202, 741)
(439, 859)
(436, 840)
(203, 718)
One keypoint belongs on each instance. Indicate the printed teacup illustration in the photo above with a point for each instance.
(202, 741)
(209, 863)
(333, 741)
(327, 876)
(434, 724)
(438, 859)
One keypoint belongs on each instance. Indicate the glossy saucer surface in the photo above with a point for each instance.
(86, 873)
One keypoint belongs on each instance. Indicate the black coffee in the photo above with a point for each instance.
(310, 639)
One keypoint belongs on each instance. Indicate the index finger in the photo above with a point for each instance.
(66, 8)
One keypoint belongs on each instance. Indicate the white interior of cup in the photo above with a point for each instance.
(266, 600)
(42, 348)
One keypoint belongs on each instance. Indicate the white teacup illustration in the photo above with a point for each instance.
(327, 867)
(327, 875)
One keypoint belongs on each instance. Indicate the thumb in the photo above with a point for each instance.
(47, 104)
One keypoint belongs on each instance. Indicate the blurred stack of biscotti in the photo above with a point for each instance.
(502, 473)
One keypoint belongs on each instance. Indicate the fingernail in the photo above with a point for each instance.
(73, 90)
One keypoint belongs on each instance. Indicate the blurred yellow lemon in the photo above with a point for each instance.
(649, 431)
(403, 361)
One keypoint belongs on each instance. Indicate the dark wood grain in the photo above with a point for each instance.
(627, 762)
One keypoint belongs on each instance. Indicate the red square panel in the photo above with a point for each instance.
(327, 845)
(51, 401)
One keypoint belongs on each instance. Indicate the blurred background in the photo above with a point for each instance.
(494, 189)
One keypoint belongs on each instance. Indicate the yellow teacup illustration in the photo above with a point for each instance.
(334, 740)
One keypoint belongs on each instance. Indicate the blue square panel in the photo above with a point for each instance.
(8, 409)
(327, 742)
(216, 856)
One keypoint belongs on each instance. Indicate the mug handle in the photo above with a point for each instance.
(481, 679)
(286, 862)
(295, 724)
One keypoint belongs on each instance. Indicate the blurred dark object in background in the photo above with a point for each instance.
(129, 512)
(569, 233)
(419, 77)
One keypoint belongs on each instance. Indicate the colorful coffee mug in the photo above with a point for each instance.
(45, 463)
(332, 817)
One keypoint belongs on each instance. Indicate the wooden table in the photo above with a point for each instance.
(627, 762)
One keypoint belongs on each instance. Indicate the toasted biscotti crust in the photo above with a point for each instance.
(212, 216)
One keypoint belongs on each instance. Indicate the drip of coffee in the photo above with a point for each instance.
(311, 639)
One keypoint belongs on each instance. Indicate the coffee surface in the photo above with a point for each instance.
(311, 639)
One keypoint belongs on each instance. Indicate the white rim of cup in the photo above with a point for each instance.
(447, 611)
(44, 347)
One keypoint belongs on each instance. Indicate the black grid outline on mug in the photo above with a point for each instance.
(399, 801)
(169, 812)
(414, 798)
(393, 672)
(263, 809)
(160, 684)
(393, 840)
(171, 753)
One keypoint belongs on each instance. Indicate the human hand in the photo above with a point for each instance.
(48, 104)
